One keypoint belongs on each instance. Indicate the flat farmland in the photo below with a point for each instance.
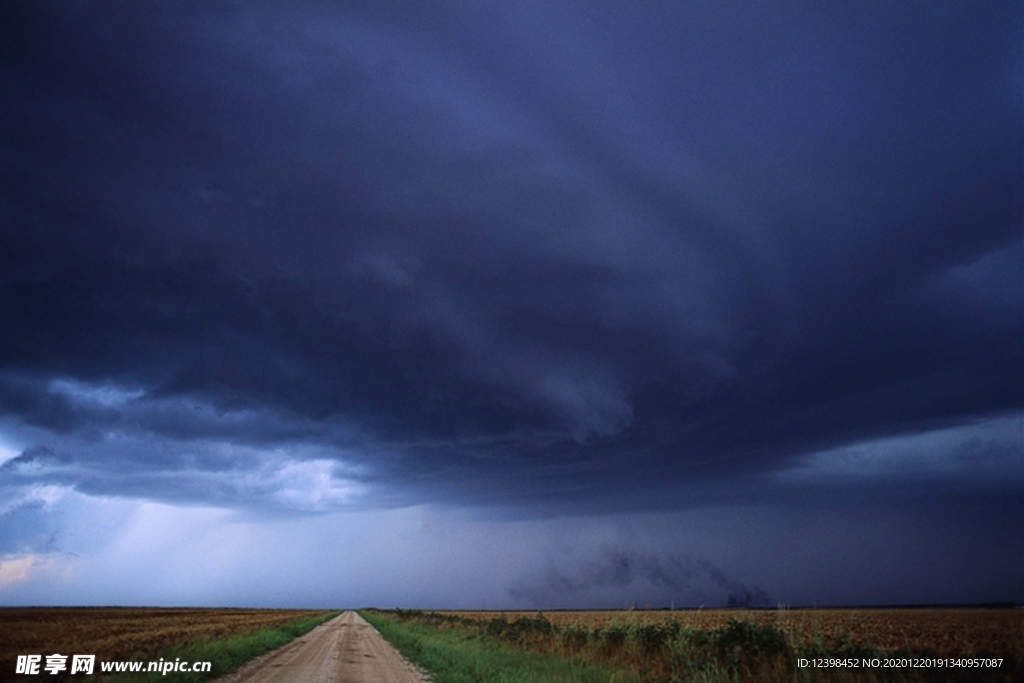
(123, 633)
(942, 631)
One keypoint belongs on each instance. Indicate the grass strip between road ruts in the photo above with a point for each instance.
(225, 655)
(457, 656)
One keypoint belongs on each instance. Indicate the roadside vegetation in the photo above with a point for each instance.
(224, 654)
(948, 631)
(458, 654)
(455, 649)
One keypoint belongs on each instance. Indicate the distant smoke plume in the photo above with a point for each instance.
(739, 594)
(619, 577)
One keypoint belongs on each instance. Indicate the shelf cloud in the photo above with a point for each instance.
(528, 261)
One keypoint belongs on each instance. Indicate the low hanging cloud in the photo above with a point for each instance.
(617, 577)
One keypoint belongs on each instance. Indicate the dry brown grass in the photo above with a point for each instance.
(947, 632)
(113, 633)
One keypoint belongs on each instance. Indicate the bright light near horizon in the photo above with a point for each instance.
(16, 569)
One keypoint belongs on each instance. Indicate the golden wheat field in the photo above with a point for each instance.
(943, 631)
(122, 633)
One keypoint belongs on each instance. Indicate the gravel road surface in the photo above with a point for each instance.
(344, 650)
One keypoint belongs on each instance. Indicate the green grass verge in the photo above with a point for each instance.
(225, 655)
(458, 656)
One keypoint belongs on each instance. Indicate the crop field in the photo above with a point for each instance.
(947, 632)
(124, 633)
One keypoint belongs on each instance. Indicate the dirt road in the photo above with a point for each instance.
(344, 650)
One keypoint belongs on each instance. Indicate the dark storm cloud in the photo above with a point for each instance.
(507, 253)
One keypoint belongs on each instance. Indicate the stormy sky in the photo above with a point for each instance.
(536, 304)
